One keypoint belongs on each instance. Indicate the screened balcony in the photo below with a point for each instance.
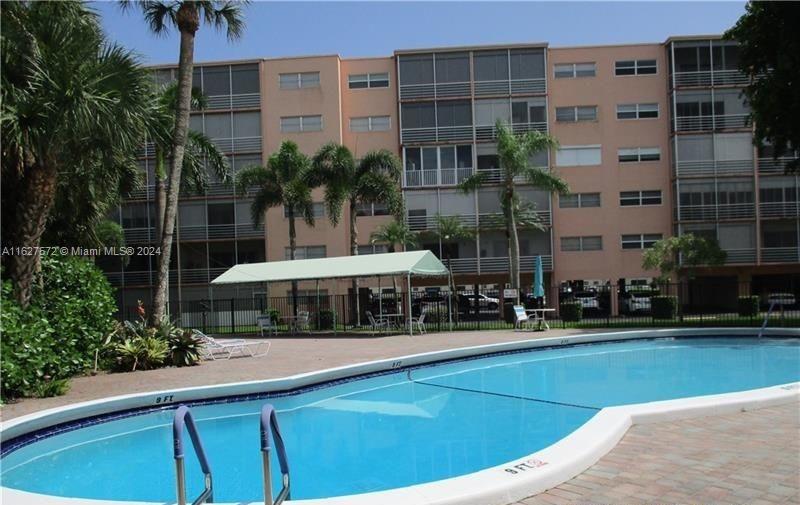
(706, 63)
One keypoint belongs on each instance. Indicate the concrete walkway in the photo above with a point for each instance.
(750, 458)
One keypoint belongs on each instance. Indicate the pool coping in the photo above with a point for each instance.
(497, 485)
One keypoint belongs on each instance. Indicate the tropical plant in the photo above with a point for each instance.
(185, 16)
(515, 152)
(74, 108)
(672, 254)
(285, 181)
(184, 348)
(375, 178)
(141, 353)
(768, 49)
(395, 232)
(449, 230)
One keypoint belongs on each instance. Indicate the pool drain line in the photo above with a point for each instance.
(504, 395)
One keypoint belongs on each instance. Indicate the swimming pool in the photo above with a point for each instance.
(393, 429)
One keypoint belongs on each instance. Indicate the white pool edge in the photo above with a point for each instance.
(497, 485)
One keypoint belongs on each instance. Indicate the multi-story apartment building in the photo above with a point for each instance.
(654, 140)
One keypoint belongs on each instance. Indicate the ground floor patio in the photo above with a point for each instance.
(749, 457)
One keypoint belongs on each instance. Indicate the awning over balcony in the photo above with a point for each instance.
(413, 263)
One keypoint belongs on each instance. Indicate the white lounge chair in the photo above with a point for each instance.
(420, 322)
(228, 347)
(301, 323)
(265, 322)
(522, 319)
(378, 325)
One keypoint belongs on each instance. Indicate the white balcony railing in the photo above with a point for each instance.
(243, 101)
(780, 254)
(705, 168)
(496, 220)
(774, 166)
(709, 78)
(711, 122)
(779, 209)
(736, 256)
(489, 132)
(714, 212)
(433, 178)
(507, 87)
(423, 223)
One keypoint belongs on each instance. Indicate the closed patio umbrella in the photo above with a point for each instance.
(538, 278)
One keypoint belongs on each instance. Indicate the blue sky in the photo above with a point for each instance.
(354, 29)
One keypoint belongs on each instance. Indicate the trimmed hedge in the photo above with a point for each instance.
(748, 306)
(571, 312)
(664, 307)
(325, 320)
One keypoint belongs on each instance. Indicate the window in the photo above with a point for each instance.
(637, 111)
(318, 208)
(487, 112)
(371, 209)
(299, 80)
(637, 154)
(297, 124)
(418, 115)
(244, 79)
(527, 110)
(639, 198)
(491, 65)
(578, 156)
(416, 69)
(527, 63)
(571, 70)
(370, 124)
(579, 200)
(588, 243)
(576, 113)
(635, 67)
(306, 252)
(246, 124)
(421, 158)
(640, 241)
(361, 81)
(372, 249)
(452, 67)
(454, 113)
(216, 81)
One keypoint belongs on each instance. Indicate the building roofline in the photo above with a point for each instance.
(209, 63)
(603, 46)
(470, 48)
(678, 38)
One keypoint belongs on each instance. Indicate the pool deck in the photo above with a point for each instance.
(743, 458)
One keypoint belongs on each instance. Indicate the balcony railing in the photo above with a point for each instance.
(705, 168)
(138, 235)
(768, 166)
(441, 134)
(433, 178)
(495, 265)
(495, 175)
(496, 220)
(779, 209)
(737, 256)
(489, 132)
(423, 223)
(714, 212)
(438, 90)
(510, 87)
(780, 254)
(709, 78)
(711, 122)
(243, 101)
(238, 144)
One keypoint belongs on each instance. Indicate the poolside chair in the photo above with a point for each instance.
(522, 319)
(265, 322)
(378, 325)
(420, 322)
(228, 347)
(302, 322)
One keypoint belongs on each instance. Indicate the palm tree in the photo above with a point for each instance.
(74, 107)
(373, 179)
(285, 181)
(449, 230)
(392, 233)
(186, 16)
(515, 152)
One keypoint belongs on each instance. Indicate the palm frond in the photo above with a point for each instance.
(473, 182)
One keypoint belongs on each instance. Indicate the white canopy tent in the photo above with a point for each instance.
(410, 263)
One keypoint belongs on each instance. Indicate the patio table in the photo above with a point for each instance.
(539, 316)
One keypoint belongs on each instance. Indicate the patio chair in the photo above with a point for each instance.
(522, 319)
(302, 322)
(377, 325)
(265, 322)
(420, 322)
(228, 347)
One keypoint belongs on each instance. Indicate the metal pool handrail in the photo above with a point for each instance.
(269, 425)
(766, 319)
(183, 417)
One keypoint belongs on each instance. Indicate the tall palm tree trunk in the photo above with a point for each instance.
(513, 243)
(38, 191)
(188, 20)
(292, 248)
(354, 252)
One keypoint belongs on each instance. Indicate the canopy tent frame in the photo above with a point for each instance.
(410, 263)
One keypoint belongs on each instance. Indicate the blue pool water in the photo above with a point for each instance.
(402, 428)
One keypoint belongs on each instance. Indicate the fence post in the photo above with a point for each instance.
(233, 326)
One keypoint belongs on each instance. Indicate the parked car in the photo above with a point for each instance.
(588, 300)
(635, 301)
(484, 301)
(781, 299)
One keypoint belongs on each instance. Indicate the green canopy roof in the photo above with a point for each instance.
(369, 265)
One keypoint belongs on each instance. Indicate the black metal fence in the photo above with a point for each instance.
(596, 307)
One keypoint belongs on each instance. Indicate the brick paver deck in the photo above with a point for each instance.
(748, 458)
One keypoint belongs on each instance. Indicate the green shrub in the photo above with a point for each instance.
(274, 315)
(47, 388)
(325, 320)
(571, 312)
(141, 353)
(184, 348)
(59, 334)
(664, 307)
(748, 306)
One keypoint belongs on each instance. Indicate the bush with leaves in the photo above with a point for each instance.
(59, 334)
(184, 348)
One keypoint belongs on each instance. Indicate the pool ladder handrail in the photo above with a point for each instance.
(183, 418)
(766, 319)
(269, 426)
